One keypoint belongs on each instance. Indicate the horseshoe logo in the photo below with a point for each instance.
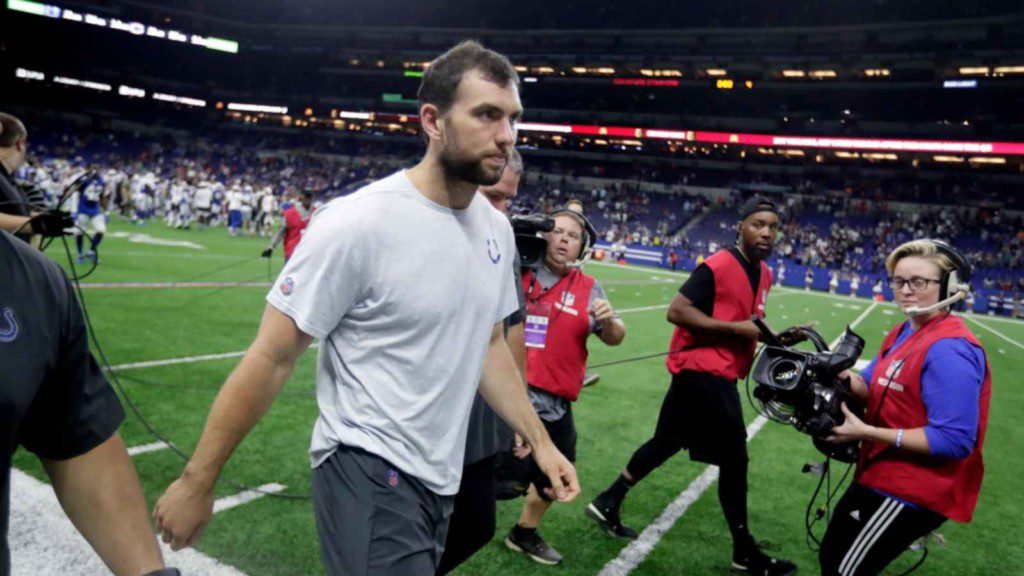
(492, 250)
(8, 326)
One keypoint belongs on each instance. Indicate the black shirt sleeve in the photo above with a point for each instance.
(699, 288)
(75, 409)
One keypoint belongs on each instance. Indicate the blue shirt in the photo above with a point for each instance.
(89, 199)
(951, 379)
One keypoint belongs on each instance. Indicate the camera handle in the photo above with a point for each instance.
(769, 337)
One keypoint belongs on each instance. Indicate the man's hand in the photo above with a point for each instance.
(565, 486)
(602, 311)
(851, 430)
(51, 223)
(793, 335)
(266, 253)
(183, 512)
(747, 329)
(521, 449)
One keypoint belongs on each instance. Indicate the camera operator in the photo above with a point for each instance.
(713, 346)
(16, 214)
(564, 307)
(474, 515)
(57, 404)
(926, 395)
(293, 225)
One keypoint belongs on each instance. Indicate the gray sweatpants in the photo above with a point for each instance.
(374, 520)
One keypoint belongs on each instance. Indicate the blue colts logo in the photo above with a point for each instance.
(492, 250)
(8, 326)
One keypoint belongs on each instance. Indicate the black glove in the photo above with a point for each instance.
(266, 253)
(52, 223)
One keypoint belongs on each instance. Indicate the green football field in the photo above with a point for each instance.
(276, 535)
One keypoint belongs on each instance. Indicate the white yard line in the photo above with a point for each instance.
(993, 330)
(144, 448)
(183, 360)
(43, 540)
(164, 285)
(246, 496)
(634, 554)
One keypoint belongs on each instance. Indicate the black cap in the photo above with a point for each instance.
(757, 204)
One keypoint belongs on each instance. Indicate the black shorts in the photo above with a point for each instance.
(563, 436)
(703, 413)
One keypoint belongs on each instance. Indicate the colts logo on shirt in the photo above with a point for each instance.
(392, 478)
(492, 250)
(8, 326)
(287, 285)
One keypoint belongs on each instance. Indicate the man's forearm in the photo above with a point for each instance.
(692, 319)
(101, 494)
(245, 397)
(502, 389)
(517, 345)
(13, 224)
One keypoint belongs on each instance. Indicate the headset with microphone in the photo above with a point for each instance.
(954, 285)
(589, 235)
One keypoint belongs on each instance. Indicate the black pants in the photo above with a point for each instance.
(473, 521)
(869, 530)
(563, 436)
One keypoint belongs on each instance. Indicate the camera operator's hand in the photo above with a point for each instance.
(602, 311)
(851, 430)
(266, 253)
(747, 329)
(51, 223)
(521, 449)
(793, 335)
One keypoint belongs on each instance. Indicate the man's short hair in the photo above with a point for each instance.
(12, 130)
(441, 79)
(515, 161)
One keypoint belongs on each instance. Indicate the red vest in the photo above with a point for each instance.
(295, 226)
(946, 486)
(559, 367)
(723, 356)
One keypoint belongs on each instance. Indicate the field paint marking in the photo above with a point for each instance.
(43, 540)
(634, 554)
(164, 285)
(144, 448)
(186, 359)
(246, 496)
(994, 331)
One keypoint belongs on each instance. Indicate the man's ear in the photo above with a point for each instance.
(432, 121)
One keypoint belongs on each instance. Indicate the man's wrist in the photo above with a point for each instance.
(199, 477)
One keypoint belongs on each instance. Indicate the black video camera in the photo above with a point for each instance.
(531, 247)
(802, 388)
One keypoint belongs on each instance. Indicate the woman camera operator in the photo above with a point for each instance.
(926, 397)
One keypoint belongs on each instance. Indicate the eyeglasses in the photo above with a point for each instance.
(917, 284)
(572, 235)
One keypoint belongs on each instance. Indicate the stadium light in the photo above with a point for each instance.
(822, 74)
(974, 70)
(98, 86)
(194, 102)
(793, 73)
(876, 72)
(266, 109)
(986, 160)
(715, 72)
(1009, 70)
(131, 91)
(26, 74)
(952, 159)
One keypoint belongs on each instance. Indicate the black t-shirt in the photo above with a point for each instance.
(54, 400)
(700, 286)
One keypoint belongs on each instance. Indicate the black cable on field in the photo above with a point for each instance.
(134, 407)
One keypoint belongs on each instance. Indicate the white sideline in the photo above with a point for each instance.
(144, 448)
(634, 554)
(246, 496)
(994, 331)
(43, 540)
(184, 360)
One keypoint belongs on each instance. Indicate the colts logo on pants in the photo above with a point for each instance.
(8, 326)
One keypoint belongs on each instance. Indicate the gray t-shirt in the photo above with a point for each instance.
(403, 294)
(548, 406)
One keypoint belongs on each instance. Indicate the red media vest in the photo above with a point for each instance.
(559, 367)
(726, 357)
(295, 226)
(948, 487)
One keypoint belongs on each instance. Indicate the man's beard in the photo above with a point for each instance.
(456, 166)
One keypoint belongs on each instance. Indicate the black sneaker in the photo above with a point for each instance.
(591, 379)
(607, 517)
(757, 563)
(533, 546)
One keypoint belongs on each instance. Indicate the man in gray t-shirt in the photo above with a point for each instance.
(404, 348)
